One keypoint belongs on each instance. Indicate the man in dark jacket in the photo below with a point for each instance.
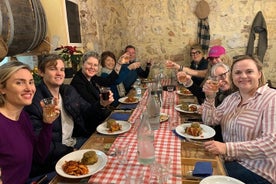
(74, 124)
(132, 75)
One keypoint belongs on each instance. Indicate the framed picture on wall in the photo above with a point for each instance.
(73, 22)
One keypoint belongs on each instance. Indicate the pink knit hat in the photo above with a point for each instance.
(216, 51)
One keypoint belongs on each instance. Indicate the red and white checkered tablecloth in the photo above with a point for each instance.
(167, 146)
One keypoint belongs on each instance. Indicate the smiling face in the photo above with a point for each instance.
(90, 67)
(54, 74)
(132, 53)
(19, 89)
(246, 75)
(214, 60)
(223, 75)
(109, 63)
(196, 55)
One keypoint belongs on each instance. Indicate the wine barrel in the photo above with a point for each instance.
(22, 25)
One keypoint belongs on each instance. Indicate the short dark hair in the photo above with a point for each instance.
(129, 46)
(106, 54)
(51, 59)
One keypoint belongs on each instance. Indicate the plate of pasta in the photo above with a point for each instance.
(128, 100)
(72, 162)
(195, 130)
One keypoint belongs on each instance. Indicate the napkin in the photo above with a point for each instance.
(179, 136)
(203, 169)
(120, 116)
(127, 106)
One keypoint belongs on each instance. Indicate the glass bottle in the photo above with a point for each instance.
(145, 142)
(153, 110)
(138, 90)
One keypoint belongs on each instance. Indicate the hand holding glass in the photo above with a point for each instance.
(214, 83)
(211, 87)
(181, 76)
(48, 105)
(169, 64)
(105, 92)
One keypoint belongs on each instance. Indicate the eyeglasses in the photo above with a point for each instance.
(212, 58)
(194, 53)
(222, 76)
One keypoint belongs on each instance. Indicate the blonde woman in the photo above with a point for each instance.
(247, 118)
(19, 146)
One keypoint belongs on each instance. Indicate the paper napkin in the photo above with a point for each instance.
(120, 116)
(203, 169)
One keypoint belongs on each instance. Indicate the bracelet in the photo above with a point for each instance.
(180, 68)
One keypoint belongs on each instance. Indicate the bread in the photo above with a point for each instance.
(110, 123)
(194, 129)
(89, 158)
(113, 126)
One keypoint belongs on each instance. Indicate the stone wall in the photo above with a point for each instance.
(165, 29)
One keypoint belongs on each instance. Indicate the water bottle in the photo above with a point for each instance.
(153, 110)
(145, 142)
(138, 88)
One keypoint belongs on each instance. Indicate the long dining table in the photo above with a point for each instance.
(182, 153)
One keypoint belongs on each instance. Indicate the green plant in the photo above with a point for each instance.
(70, 54)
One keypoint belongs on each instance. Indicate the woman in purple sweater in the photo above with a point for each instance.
(18, 144)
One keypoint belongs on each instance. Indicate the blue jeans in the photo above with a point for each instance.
(239, 172)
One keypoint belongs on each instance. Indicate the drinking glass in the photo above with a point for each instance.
(181, 77)
(49, 106)
(105, 92)
(134, 174)
(173, 122)
(121, 153)
(169, 100)
(214, 83)
(213, 87)
(160, 170)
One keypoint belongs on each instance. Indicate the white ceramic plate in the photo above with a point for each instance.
(177, 107)
(220, 180)
(122, 100)
(163, 117)
(183, 94)
(104, 130)
(207, 132)
(77, 156)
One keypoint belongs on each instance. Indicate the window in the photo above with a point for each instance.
(73, 22)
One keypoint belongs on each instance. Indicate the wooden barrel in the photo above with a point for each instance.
(22, 25)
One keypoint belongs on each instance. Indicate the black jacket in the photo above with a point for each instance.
(203, 65)
(81, 112)
(258, 27)
(89, 90)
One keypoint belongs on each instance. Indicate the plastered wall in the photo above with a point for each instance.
(165, 29)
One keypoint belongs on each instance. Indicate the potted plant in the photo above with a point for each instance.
(72, 58)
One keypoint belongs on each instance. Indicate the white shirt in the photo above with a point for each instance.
(67, 124)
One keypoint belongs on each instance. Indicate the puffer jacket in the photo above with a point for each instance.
(81, 111)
